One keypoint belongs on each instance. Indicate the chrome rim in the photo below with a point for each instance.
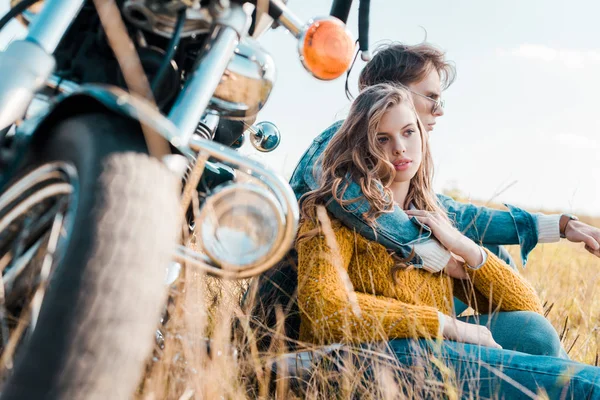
(36, 218)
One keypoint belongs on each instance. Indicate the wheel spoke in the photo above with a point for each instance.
(3, 314)
(19, 243)
(45, 193)
(36, 303)
(19, 266)
(6, 285)
(35, 227)
(6, 361)
(34, 219)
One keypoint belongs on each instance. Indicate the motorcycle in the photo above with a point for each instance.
(118, 127)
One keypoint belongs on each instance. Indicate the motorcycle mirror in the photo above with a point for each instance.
(264, 136)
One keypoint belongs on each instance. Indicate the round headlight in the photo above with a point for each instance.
(240, 225)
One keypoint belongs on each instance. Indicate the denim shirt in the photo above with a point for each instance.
(397, 231)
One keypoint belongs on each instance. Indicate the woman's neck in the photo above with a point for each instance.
(399, 192)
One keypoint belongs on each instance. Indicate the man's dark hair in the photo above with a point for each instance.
(405, 64)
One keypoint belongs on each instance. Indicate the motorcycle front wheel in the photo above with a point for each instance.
(87, 229)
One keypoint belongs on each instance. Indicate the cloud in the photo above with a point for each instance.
(571, 58)
(575, 141)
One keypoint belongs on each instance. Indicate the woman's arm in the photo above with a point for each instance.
(504, 288)
(491, 277)
(334, 311)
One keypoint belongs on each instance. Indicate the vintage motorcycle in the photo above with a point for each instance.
(106, 107)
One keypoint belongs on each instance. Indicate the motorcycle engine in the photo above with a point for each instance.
(160, 16)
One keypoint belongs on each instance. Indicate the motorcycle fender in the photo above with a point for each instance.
(105, 98)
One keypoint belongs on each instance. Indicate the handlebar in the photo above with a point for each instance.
(341, 9)
(363, 29)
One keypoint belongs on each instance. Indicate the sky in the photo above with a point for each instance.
(522, 124)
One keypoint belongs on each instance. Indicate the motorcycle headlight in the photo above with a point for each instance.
(240, 225)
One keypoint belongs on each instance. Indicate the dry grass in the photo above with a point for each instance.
(564, 274)
(567, 277)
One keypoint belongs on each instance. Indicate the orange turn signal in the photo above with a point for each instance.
(326, 48)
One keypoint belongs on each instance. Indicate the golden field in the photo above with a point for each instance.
(567, 278)
(565, 275)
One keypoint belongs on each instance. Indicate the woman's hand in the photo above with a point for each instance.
(449, 236)
(456, 267)
(459, 331)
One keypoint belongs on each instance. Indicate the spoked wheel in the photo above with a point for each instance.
(87, 229)
(35, 216)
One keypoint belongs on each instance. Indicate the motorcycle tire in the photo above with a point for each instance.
(95, 327)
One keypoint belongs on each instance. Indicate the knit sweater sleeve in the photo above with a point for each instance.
(503, 287)
(332, 311)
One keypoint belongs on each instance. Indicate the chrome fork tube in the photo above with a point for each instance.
(206, 75)
(50, 25)
(26, 64)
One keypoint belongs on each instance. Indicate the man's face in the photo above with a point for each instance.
(430, 86)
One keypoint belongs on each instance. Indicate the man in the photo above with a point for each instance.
(423, 70)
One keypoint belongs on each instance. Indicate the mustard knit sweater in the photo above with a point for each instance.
(347, 291)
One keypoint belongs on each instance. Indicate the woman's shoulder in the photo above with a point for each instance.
(310, 224)
(309, 229)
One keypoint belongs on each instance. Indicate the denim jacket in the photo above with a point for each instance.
(398, 232)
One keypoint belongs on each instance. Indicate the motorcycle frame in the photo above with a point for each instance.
(230, 25)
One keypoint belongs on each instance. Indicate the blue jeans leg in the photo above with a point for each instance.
(482, 372)
(523, 331)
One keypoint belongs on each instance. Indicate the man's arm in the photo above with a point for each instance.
(517, 226)
(486, 225)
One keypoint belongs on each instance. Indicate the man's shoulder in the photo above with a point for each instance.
(298, 180)
(330, 131)
(336, 125)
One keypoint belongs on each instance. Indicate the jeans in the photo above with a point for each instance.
(523, 331)
(494, 373)
(425, 369)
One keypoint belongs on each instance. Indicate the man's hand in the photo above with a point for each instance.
(578, 232)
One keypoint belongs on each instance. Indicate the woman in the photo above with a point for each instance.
(353, 290)
(424, 70)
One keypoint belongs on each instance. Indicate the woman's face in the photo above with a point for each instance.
(400, 139)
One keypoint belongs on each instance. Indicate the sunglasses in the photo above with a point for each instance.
(437, 104)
